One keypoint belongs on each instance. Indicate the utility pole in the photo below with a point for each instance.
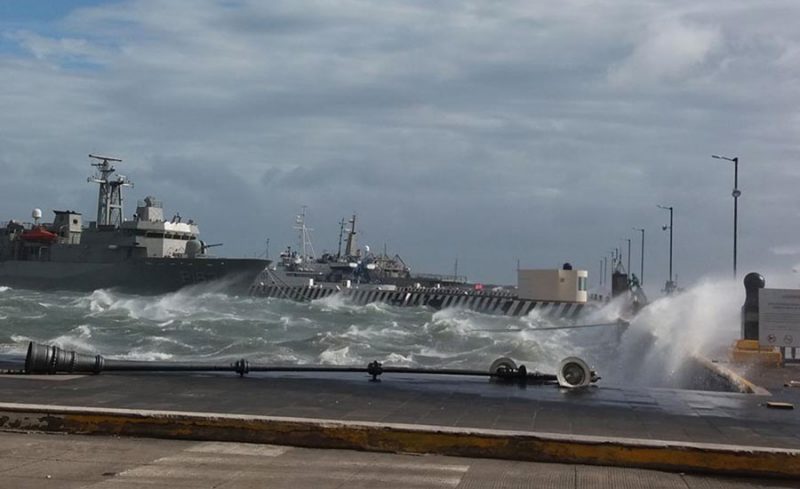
(670, 286)
(641, 267)
(601, 273)
(629, 256)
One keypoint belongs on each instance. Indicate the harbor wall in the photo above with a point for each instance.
(499, 303)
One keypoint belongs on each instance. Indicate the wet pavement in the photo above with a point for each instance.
(436, 400)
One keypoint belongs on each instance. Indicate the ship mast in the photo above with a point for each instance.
(341, 234)
(109, 199)
(350, 249)
(304, 237)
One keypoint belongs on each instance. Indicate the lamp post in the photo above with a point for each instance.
(629, 255)
(641, 267)
(601, 274)
(735, 194)
(670, 286)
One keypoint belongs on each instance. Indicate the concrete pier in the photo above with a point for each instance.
(666, 429)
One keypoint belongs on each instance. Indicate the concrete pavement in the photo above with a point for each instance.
(728, 433)
(74, 461)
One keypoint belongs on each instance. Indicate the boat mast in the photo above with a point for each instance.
(341, 234)
(109, 198)
(350, 250)
(304, 236)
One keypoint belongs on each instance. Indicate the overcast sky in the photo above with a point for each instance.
(490, 132)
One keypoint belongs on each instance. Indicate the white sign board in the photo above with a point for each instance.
(779, 317)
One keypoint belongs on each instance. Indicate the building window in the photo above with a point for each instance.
(581, 283)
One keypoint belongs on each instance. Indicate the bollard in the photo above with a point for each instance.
(752, 283)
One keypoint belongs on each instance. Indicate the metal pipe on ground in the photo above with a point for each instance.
(50, 359)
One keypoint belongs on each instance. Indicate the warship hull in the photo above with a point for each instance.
(147, 276)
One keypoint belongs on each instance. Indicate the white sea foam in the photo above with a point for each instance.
(340, 356)
(78, 338)
(289, 321)
(4, 288)
(334, 302)
(141, 354)
(339, 302)
(397, 359)
(172, 341)
(20, 343)
(164, 308)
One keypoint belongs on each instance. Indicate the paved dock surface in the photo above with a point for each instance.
(73, 461)
(471, 402)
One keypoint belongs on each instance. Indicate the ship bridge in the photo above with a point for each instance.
(159, 236)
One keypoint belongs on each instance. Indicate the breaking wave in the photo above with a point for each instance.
(203, 324)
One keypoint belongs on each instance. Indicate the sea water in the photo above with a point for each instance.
(203, 323)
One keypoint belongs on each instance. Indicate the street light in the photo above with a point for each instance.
(629, 255)
(670, 286)
(736, 193)
(641, 268)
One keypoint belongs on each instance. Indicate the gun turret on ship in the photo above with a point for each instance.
(147, 254)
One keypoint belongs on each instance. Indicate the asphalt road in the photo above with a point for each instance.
(605, 410)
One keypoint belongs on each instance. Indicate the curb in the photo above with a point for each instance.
(742, 384)
(407, 438)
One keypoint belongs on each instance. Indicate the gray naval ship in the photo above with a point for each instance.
(145, 255)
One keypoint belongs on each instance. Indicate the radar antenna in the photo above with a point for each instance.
(109, 199)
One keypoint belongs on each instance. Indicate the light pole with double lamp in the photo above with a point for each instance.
(735, 194)
(670, 286)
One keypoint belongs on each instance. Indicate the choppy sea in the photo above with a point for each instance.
(202, 323)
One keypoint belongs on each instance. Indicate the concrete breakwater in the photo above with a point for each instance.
(489, 302)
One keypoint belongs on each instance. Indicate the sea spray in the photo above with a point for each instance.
(666, 335)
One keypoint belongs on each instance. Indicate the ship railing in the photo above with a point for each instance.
(153, 203)
(455, 279)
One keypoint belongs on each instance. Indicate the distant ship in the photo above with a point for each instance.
(145, 255)
(349, 266)
(363, 277)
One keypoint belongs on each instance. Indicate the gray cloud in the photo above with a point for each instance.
(480, 130)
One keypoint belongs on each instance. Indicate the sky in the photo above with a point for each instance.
(486, 132)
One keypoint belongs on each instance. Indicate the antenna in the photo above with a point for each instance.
(109, 198)
(104, 159)
(304, 235)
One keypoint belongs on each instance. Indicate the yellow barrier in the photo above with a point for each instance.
(313, 433)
